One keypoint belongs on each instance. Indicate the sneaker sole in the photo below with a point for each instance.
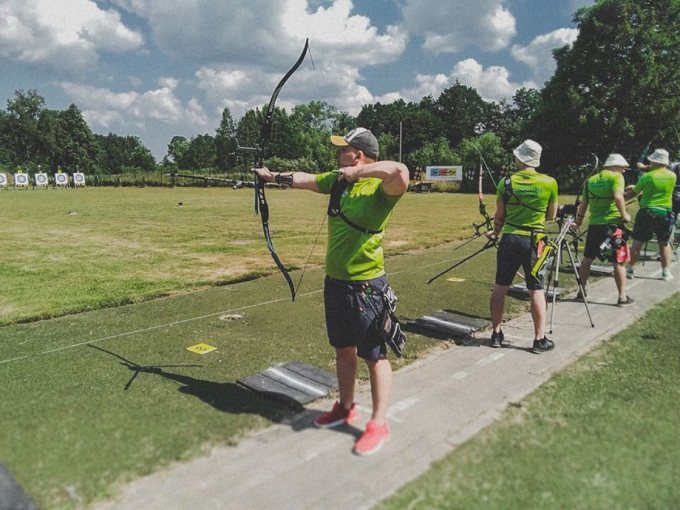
(374, 450)
(336, 423)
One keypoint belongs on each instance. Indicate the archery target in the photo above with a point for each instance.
(61, 179)
(20, 180)
(41, 179)
(3, 180)
(78, 179)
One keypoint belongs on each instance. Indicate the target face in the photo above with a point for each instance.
(41, 179)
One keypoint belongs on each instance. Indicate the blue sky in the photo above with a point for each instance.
(160, 68)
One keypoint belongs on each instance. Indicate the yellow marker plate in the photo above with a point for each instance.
(201, 348)
(454, 279)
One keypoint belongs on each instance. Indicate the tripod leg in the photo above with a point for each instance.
(581, 289)
(556, 269)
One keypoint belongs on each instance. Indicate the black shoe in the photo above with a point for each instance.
(542, 346)
(497, 339)
(580, 296)
(626, 302)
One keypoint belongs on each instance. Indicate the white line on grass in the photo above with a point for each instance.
(151, 328)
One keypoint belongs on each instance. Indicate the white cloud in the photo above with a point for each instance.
(537, 55)
(107, 109)
(448, 26)
(492, 83)
(62, 34)
(240, 31)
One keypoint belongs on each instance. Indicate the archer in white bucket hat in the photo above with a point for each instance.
(616, 160)
(529, 153)
(655, 216)
(659, 156)
(525, 200)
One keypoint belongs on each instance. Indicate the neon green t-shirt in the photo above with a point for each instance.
(352, 255)
(532, 192)
(657, 189)
(599, 191)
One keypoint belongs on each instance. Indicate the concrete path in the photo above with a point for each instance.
(437, 403)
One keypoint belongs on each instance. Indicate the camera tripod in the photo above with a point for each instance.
(554, 269)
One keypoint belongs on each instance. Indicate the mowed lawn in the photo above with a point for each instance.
(92, 400)
(66, 251)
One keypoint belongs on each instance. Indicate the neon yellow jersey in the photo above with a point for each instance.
(599, 190)
(532, 192)
(657, 189)
(352, 255)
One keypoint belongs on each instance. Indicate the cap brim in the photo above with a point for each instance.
(338, 141)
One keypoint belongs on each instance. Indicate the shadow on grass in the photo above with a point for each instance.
(226, 397)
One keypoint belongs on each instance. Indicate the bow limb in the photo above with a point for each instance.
(486, 225)
(596, 166)
(260, 197)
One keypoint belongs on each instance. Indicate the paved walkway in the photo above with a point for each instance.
(437, 403)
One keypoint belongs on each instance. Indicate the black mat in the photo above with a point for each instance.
(293, 383)
(450, 323)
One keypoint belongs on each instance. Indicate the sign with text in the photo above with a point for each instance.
(444, 173)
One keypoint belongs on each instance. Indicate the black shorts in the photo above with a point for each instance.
(352, 309)
(515, 251)
(597, 234)
(649, 222)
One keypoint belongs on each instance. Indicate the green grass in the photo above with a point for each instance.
(71, 431)
(66, 251)
(601, 434)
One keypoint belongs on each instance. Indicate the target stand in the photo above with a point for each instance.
(20, 181)
(61, 180)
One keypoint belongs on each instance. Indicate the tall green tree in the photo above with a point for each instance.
(462, 113)
(617, 87)
(201, 152)
(21, 136)
(225, 142)
(177, 151)
(114, 152)
(73, 143)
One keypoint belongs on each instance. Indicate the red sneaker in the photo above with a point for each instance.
(373, 439)
(337, 416)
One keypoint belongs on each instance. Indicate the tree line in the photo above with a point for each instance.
(615, 89)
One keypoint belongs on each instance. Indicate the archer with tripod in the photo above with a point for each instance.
(603, 193)
(524, 201)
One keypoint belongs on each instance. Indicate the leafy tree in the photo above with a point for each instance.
(225, 142)
(436, 152)
(116, 152)
(201, 152)
(20, 133)
(485, 150)
(73, 143)
(177, 151)
(462, 113)
(617, 87)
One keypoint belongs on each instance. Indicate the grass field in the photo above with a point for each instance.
(76, 424)
(71, 430)
(95, 247)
